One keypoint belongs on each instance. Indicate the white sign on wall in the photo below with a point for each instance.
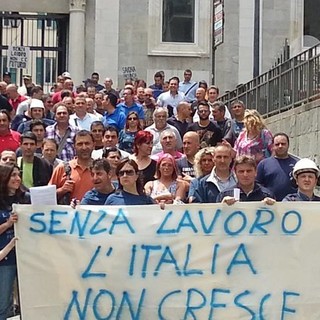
(18, 57)
(246, 261)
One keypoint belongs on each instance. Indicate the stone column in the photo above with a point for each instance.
(77, 40)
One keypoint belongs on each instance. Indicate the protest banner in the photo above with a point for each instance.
(208, 261)
(18, 57)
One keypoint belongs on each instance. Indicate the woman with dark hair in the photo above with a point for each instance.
(10, 192)
(127, 135)
(113, 155)
(142, 148)
(130, 190)
(166, 188)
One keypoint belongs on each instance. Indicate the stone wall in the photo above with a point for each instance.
(302, 124)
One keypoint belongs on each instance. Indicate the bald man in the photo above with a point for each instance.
(191, 145)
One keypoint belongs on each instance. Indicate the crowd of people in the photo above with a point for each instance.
(172, 142)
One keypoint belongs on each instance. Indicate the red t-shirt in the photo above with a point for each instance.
(10, 141)
(17, 101)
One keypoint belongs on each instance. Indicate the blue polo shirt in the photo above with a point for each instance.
(128, 199)
(136, 107)
(116, 119)
(94, 197)
(299, 196)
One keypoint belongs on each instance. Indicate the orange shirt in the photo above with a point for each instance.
(80, 175)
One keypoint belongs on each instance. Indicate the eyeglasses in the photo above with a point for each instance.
(128, 173)
(133, 119)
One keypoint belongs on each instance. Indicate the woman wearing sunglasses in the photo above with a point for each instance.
(130, 190)
(127, 135)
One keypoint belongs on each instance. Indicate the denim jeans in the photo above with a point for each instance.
(7, 276)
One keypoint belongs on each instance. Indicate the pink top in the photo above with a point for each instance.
(259, 147)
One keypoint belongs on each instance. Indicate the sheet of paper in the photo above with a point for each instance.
(45, 195)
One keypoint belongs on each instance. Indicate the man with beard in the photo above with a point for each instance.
(160, 117)
(209, 133)
(73, 179)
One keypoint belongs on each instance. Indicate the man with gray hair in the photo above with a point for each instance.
(160, 124)
(168, 142)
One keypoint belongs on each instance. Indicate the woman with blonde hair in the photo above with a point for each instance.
(255, 140)
(166, 188)
(203, 164)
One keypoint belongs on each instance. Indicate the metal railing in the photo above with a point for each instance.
(288, 85)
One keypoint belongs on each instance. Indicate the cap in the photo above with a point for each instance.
(36, 103)
(66, 74)
(7, 73)
(27, 76)
(305, 165)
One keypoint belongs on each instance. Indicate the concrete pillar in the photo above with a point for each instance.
(77, 40)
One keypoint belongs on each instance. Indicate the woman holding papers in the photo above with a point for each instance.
(10, 193)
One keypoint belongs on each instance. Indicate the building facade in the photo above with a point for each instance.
(125, 38)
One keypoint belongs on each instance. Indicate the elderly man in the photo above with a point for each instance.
(160, 117)
(168, 142)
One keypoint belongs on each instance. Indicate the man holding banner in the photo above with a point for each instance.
(246, 189)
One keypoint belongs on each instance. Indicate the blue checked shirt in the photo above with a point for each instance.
(68, 152)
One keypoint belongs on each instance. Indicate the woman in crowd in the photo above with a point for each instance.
(142, 148)
(203, 165)
(130, 191)
(10, 192)
(166, 188)
(255, 140)
(127, 135)
(113, 155)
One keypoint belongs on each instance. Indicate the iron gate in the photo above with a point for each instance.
(45, 35)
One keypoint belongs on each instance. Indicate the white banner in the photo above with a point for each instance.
(185, 262)
(18, 57)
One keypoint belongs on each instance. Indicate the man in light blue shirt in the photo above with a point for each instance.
(188, 87)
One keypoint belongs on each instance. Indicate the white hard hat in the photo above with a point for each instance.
(305, 165)
(36, 103)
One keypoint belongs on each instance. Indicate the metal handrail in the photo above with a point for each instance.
(288, 85)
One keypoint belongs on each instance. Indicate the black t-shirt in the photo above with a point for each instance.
(147, 174)
(209, 135)
(185, 167)
(4, 104)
